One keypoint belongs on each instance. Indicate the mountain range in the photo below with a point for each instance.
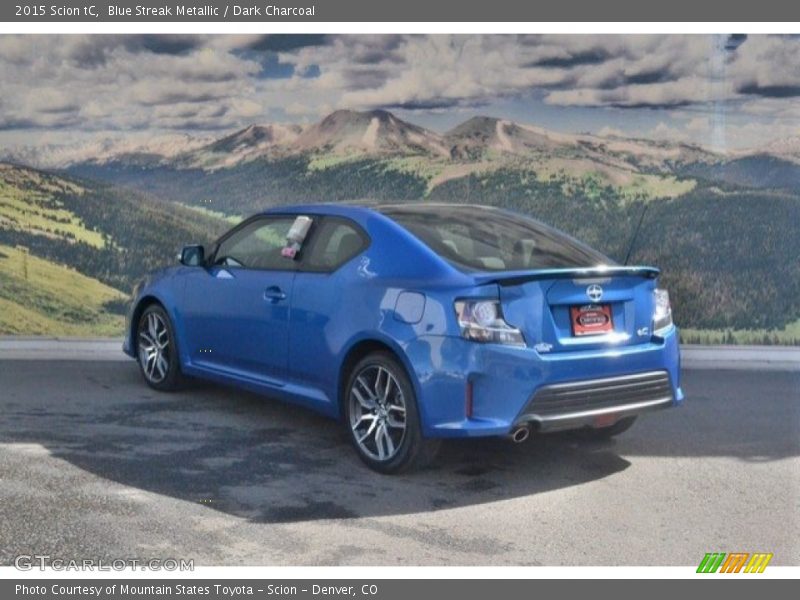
(380, 132)
(377, 154)
(721, 226)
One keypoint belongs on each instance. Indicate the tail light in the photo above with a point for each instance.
(662, 314)
(482, 321)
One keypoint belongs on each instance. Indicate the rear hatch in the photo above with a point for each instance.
(567, 310)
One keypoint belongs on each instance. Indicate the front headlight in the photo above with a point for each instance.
(482, 321)
(662, 314)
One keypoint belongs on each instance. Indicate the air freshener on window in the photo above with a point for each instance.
(296, 235)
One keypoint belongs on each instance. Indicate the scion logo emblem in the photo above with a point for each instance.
(364, 270)
(595, 292)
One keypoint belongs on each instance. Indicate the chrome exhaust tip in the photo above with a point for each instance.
(520, 434)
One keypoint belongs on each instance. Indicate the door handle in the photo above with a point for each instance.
(274, 294)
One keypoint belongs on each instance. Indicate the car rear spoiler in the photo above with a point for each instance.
(506, 278)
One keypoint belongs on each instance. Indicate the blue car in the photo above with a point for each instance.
(412, 323)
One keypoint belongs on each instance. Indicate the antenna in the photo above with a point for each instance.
(636, 232)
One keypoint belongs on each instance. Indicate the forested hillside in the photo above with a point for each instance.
(725, 250)
(60, 234)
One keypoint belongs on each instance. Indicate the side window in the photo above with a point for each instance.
(459, 240)
(337, 241)
(257, 245)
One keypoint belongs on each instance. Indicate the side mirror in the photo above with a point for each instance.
(193, 256)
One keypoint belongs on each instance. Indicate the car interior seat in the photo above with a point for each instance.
(348, 246)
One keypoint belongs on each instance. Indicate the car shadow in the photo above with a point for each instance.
(269, 462)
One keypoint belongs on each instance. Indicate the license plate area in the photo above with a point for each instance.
(591, 319)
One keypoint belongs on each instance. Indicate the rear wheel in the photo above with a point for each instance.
(383, 418)
(157, 351)
(604, 433)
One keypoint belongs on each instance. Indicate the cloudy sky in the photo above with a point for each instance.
(722, 91)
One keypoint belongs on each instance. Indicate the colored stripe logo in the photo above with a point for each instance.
(735, 562)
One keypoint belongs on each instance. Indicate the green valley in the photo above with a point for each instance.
(70, 250)
(39, 297)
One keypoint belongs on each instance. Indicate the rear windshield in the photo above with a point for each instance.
(486, 239)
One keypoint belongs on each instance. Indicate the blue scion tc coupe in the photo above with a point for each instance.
(413, 323)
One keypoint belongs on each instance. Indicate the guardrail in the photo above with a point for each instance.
(46, 348)
(740, 358)
(769, 358)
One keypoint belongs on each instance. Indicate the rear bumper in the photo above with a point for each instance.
(511, 386)
(589, 402)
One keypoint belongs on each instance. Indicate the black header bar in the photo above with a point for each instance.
(205, 11)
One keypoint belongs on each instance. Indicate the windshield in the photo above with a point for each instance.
(489, 239)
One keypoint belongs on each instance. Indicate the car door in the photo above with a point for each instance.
(324, 304)
(236, 309)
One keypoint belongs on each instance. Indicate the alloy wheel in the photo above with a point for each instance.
(377, 412)
(154, 347)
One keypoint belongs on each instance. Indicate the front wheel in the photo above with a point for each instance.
(157, 351)
(383, 418)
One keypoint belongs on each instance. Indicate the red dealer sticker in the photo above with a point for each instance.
(591, 319)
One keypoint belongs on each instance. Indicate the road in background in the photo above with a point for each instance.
(95, 464)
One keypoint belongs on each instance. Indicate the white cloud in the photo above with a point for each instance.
(608, 131)
(769, 64)
(125, 83)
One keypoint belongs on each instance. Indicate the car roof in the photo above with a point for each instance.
(319, 209)
(366, 207)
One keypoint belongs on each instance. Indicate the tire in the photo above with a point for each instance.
(157, 350)
(606, 433)
(379, 401)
